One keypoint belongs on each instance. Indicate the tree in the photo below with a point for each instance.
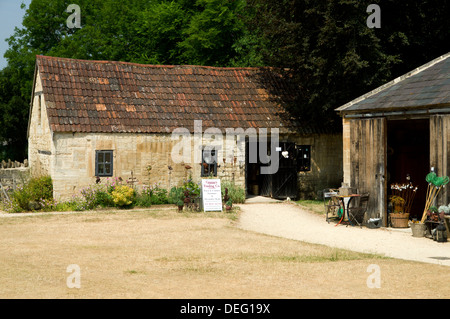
(14, 106)
(324, 47)
(209, 37)
(157, 32)
(414, 31)
(331, 54)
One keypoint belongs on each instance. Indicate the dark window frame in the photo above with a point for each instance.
(100, 159)
(303, 162)
(208, 168)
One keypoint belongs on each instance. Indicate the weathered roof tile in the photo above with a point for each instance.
(104, 96)
(425, 87)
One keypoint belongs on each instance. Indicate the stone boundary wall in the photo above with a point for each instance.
(12, 175)
(13, 164)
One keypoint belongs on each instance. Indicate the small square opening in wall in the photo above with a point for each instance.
(104, 163)
(303, 158)
(209, 163)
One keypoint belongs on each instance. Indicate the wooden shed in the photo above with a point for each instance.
(398, 133)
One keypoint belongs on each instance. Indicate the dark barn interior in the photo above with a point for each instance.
(408, 157)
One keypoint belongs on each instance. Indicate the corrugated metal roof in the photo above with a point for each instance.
(107, 96)
(425, 87)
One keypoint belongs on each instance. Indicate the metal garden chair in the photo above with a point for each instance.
(357, 209)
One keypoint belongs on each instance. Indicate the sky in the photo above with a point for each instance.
(10, 17)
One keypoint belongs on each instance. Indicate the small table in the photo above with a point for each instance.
(342, 199)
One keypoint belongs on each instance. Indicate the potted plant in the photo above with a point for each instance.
(180, 204)
(399, 219)
(228, 205)
(433, 213)
(176, 196)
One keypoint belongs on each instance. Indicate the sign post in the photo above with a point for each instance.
(211, 195)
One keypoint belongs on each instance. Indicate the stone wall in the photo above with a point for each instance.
(13, 177)
(326, 164)
(40, 143)
(73, 161)
(69, 158)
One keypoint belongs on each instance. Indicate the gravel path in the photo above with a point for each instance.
(288, 220)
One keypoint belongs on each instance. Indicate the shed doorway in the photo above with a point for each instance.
(408, 158)
(283, 183)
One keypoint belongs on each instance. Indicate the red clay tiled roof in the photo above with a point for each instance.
(104, 96)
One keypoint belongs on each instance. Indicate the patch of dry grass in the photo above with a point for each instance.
(159, 253)
(315, 206)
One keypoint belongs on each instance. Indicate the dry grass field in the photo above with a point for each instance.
(160, 253)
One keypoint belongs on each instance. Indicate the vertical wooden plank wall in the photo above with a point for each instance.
(439, 147)
(368, 162)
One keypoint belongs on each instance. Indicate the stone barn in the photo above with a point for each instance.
(397, 134)
(153, 123)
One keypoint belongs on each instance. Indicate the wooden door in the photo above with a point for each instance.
(285, 180)
(368, 162)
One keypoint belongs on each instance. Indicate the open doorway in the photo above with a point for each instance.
(281, 184)
(408, 158)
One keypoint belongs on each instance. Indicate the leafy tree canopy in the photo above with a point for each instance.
(325, 47)
(198, 32)
(333, 55)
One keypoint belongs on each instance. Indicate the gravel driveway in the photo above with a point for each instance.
(288, 220)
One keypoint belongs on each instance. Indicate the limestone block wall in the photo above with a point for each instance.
(326, 164)
(40, 144)
(11, 178)
(73, 166)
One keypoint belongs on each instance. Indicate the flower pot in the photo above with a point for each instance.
(180, 207)
(399, 220)
(228, 208)
(418, 229)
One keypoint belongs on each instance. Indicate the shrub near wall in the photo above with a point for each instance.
(236, 193)
(123, 196)
(36, 194)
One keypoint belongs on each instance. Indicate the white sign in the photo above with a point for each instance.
(211, 195)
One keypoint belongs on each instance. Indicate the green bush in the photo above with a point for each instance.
(192, 188)
(97, 195)
(76, 204)
(20, 200)
(152, 195)
(159, 196)
(176, 194)
(143, 200)
(103, 199)
(36, 194)
(236, 193)
(41, 188)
